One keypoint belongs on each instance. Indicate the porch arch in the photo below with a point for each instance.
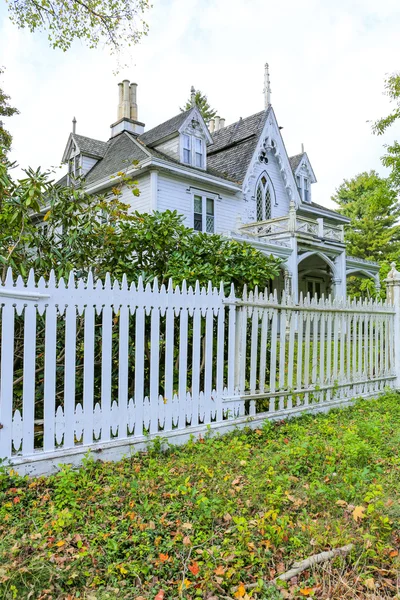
(334, 269)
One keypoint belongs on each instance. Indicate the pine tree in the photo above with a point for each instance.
(371, 203)
(201, 101)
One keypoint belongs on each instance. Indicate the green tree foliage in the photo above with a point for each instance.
(201, 101)
(110, 22)
(5, 111)
(374, 234)
(392, 157)
(99, 233)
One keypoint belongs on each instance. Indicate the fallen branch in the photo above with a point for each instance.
(302, 565)
(315, 559)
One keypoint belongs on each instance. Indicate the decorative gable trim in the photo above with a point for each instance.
(304, 168)
(194, 123)
(271, 140)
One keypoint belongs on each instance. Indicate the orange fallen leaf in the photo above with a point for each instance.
(358, 513)
(219, 570)
(163, 558)
(307, 591)
(394, 553)
(240, 592)
(60, 543)
(194, 568)
(160, 595)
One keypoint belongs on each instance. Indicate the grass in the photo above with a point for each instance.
(217, 518)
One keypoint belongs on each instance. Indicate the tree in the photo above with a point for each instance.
(371, 203)
(201, 101)
(392, 157)
(112, 22)
(5, 111)
(83, 232)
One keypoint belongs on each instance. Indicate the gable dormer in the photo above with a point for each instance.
(304, 175)
(184, 138)
(81, 154)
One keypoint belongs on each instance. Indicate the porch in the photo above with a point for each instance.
(314, 255)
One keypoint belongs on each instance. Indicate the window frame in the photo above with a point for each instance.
(264, 188)
(204, 214)
(192, 151)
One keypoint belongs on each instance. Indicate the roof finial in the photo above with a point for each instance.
(192, 96)
(74, 125)
(267, 87)
(302, 148)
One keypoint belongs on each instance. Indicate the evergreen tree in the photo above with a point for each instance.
(201, 101)
(392, 157)
(371, 203)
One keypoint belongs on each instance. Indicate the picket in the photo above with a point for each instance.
(157, 361)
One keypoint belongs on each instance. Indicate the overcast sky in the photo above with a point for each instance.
(328, 62)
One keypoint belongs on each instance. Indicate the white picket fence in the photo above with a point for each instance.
(106, 365)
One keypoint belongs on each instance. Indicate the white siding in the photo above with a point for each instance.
(142, 203)
(170, 148)
(281, 206)
(175, 194)
(87, 163)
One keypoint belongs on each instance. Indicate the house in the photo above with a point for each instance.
(236, 180)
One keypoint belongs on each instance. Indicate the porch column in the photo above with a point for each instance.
(339, 279)
(294, 270)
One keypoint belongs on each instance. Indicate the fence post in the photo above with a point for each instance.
(393, 297)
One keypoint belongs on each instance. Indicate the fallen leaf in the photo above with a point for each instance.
(358, 513)
(307, 591)
(341, 502)
(241, 591)
(160, 595)
(370, 583)
(187, 526)
(60, 543)
(194, 568)
(186, 541)
(163, 558)
(219, 570)
(394, 553)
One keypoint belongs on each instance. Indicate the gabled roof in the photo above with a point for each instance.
(120, 153)
(233, 146)
(164, 129)
(86, 145)
(295, 161)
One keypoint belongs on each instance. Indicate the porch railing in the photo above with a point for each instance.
(286, 226)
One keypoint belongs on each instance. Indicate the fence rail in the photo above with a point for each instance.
(89, 364)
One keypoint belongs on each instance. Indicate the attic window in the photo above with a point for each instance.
(198, 144)
(186, 149)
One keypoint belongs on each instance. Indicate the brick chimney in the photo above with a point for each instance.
(127, 110)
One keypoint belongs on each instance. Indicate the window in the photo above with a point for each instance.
(187, 149)
(203, 214)
(198, 152)
(263, 199)
(306, 190)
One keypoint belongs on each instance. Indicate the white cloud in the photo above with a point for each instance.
(328, 62)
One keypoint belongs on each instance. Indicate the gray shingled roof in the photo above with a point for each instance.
(334, 213)
(295, 161)
(120, 153)
(164, 129)
(90, 146)
(233, 146)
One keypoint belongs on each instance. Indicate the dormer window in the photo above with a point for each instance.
(187, 146)
(264, 199)
(303, 185)
(199, 152)
(193, 151)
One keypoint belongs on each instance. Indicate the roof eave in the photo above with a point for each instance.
(324, 213)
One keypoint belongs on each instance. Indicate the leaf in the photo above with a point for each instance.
(370, 583)
(60, 543)
(163, 557)
(240, 592)
(187, 526)
(393, 553)
(307, 591)
(358, 513)
(219, 570)
(194, 568)
(341, 503)
(160, 595)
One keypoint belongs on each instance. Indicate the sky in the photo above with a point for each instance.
(328, 62)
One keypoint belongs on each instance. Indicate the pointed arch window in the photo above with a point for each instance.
(263, 199)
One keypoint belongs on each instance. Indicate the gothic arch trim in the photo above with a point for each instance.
(335, 273)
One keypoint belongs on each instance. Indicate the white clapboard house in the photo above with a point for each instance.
(236, 180)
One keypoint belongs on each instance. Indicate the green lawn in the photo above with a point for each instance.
(213, 518)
